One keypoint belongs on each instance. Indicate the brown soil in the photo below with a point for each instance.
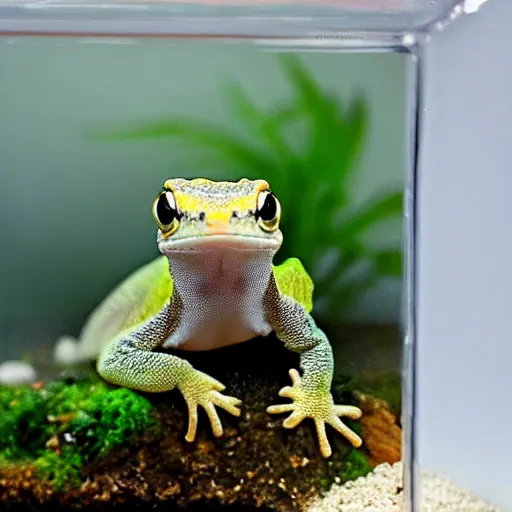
(257, 464)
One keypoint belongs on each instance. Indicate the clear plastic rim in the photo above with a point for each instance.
(179, 19)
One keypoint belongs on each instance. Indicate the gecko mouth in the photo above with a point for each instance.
(219, 242)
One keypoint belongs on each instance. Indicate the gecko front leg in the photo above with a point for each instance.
(130, 361)
(310, 393)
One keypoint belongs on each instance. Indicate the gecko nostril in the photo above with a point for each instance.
(202, 216)
(234, 215)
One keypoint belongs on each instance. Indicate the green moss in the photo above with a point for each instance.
(356, 465)
(353, 464)
(62, 469)
(23, 427)
(346, 463)
(84, 419)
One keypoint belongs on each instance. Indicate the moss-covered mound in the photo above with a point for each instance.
(79, 443)
(60, 427)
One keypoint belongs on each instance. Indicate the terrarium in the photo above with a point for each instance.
(207, 215)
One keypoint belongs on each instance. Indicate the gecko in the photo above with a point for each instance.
(214, 284)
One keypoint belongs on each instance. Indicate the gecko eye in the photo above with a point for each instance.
(268, 211)
(166, 213)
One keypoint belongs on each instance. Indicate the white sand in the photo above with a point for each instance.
(381, 491)
(16, 373)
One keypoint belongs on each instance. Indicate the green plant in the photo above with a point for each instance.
(66, 425)
(350, 464)
(356, 465)
(312, 177)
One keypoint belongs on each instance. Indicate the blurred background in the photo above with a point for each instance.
(90, 130)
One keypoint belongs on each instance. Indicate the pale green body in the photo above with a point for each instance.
(214, 288)
(144, 293)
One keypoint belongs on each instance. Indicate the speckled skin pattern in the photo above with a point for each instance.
(219, 239)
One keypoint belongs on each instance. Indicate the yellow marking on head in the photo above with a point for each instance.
(217, 199)
(189, 209)
(190, 203)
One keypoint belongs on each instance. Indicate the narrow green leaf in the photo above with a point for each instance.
(267, 129)
(203, 135)
(265, 126)
(309, 93)
(388, 263)
(385, 207)
(356, 127)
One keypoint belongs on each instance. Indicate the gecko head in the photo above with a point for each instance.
(201, 215)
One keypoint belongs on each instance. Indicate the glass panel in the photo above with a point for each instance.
(89, 132)
(224, 18)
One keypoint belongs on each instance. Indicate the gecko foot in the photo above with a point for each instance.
(310, 403)
(201, 389)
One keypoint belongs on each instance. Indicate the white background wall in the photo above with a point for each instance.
(465, 242)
